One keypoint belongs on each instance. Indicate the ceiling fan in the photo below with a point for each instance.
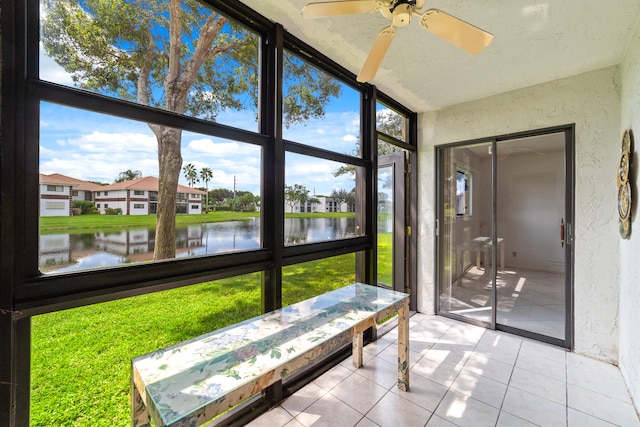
(456, 31)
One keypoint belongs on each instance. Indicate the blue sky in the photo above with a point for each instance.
(96, 147)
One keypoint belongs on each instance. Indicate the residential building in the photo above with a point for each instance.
(135, 197)
(55, 196)
(320, 204)
(140, 197)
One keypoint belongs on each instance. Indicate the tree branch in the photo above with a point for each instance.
(175, 98)
(145, 70)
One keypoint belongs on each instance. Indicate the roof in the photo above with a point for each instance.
(146, 183)
(77, 184)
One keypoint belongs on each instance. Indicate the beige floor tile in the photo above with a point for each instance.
(380, 372)
(276, 417)
(303, 398)
(540, 385)
(359, 392)
(537, 350)
(366, 422)
(450, 353)
(436, 421)
(465, 411)
(598, 377)
(500, 347)
(329, 411)
(601, 406)
(549, 368)
(333, 377)
(580, 419)
(481, 364)
(293, 423)
(507, 420)
(423, 392)
(480, 388)
(440, 372)
(390, 354)
(535, 409)
(377, 346)
(393, 411)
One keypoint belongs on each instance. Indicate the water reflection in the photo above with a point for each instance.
(308, 230)
(73, 252)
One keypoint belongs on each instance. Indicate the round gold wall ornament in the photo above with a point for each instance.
(624, 186)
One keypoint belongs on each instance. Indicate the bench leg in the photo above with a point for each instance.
(403, 347)
(139, 412)
(357, 349)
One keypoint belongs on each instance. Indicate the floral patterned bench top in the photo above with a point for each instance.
(183, 379)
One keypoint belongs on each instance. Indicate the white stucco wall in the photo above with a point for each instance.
(592, 102)
(629, 249)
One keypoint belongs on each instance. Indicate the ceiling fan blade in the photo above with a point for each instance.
(455, 31)
(333, 8)
(376, 54)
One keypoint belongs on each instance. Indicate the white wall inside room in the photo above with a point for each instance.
(629, 249)
(591, 101)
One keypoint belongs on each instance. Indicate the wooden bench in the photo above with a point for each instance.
(192, 382)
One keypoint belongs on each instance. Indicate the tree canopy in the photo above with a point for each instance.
(178, 55)
(128, 175)
(295, 194)
(388, 122)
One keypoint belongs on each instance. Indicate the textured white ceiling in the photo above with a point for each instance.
(534, 42)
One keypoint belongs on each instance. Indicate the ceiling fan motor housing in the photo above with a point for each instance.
(402, 15)
(400, 11)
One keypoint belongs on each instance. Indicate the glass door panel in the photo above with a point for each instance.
(465, 253)
(391, 221)
(530, 199)
(385, 225)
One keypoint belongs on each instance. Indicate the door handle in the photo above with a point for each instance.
(562, 232)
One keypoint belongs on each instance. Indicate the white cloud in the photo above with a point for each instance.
(109, 143)
(337, 131)
(51, 71)
(206, 146)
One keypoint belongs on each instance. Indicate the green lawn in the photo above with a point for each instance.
(385, 258)
(81, 357)
(102, 222)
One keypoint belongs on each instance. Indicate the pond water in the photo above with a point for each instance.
(65, 252)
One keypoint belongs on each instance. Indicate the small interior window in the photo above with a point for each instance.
(463, 193)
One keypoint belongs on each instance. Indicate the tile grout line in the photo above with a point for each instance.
(513, 368)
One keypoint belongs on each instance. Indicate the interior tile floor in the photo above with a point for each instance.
(462, 375)
(527, 299)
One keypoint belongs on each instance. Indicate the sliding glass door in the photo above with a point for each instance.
(465, 230)
(504, 242)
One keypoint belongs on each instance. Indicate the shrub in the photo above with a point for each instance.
(112, 211)
(86, 207)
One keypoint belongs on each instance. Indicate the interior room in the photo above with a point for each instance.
(475, 159)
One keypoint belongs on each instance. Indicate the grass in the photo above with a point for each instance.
(104, 222)
(385, 258)
(81, 357)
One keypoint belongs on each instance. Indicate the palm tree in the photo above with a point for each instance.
(128, 175)
(205, 175)
(190, 173)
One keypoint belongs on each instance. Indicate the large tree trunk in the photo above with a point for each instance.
(170, 161)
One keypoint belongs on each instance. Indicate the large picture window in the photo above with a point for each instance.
(116, 161)
(126, 52)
